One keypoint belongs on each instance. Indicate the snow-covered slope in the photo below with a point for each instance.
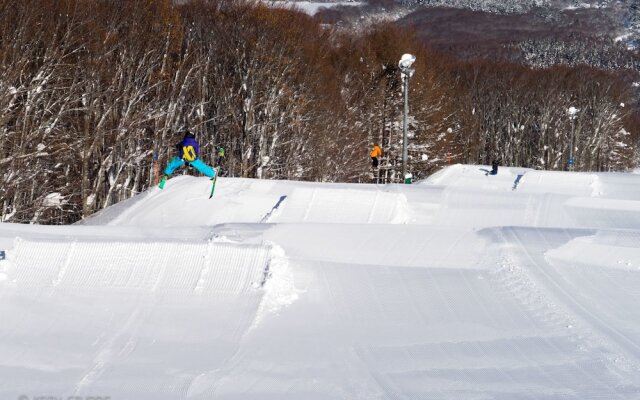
(311, 7)
(523, 285)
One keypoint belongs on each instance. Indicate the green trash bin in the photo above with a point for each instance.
(408, 178)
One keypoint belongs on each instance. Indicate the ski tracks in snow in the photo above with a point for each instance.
(275, 208)
(278, 285)
(109, 350)
(528, 277)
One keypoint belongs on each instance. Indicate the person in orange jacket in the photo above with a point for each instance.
(375, 153)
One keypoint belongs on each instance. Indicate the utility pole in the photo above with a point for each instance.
(406, 73)
(405, 152)
(572, 111)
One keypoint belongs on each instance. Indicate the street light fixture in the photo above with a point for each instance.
(572, 111)
(406, 72)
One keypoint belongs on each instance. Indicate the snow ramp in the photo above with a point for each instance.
(138, 266)
(122, 317)
(184, 203)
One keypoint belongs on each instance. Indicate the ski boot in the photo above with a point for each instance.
(163, 181)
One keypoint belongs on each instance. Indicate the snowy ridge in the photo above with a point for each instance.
(137, 266)
(522, 285)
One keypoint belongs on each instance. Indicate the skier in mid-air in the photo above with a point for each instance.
(188, 150)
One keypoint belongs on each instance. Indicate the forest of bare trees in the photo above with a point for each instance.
(92, 90)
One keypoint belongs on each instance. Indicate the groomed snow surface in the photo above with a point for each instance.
(523, 285)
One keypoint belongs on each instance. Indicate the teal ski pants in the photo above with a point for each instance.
(178, 162)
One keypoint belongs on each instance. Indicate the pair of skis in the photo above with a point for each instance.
(213, 183)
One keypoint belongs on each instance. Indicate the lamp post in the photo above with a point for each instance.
(572, 111)
(406, 72)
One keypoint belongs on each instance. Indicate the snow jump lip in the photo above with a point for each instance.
(140, 266)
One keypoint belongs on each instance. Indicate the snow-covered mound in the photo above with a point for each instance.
(523, 285)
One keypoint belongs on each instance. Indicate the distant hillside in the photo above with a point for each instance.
(539, 37)
(534, 33)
